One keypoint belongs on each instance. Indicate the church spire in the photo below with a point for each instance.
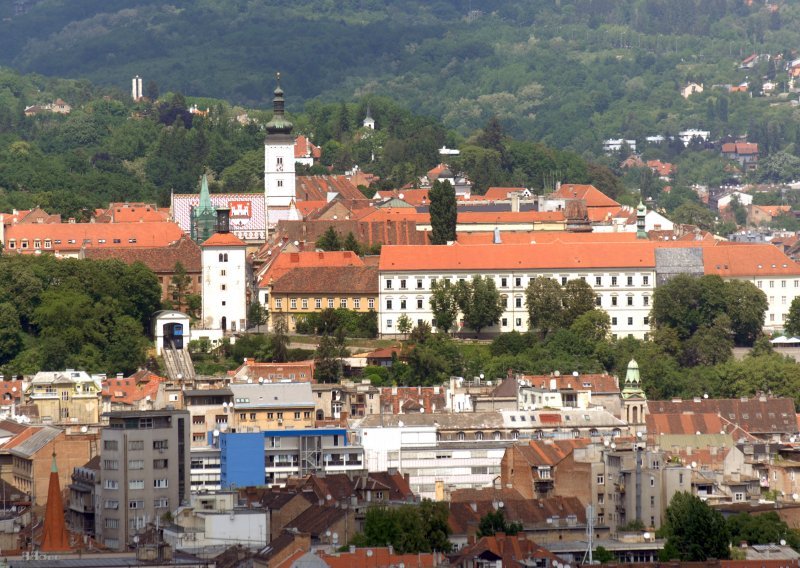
(205, 197)
(633, 381)
(54, 537)
(279, 123)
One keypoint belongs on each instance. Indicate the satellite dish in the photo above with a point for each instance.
(261, 380)
(697, 433)
(646, 536)
(400, 423)
(613, 446)
(328, 497)
(335, 217)
(335, 537)
(639, 435)
(421, 410)
(269, 253)
(84, 429)
(605, 443)
(147, 398)
(328, 532)
(297, 243)
(783, 542)
(705, 395)
(369, 553)
(795, 496)
(501, 504)
(574, 374)
(136, 539)
(694, 465)
(401, 196)
(13, 389)
(249, 381)
(216, 433)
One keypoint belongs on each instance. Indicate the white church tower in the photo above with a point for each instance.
(279, 174)
(224, 279)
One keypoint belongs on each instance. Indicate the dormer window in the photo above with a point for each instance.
(48, 243)
(24, 243)
(12, 243)
(37, 243)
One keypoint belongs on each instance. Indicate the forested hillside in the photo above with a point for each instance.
(564, 72)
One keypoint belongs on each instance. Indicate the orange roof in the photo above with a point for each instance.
(501, 217)
(501, 192)
(748, 260)
(540, 452)
(74, 236)
(514, 256)
(224, 240)
(773, 210)
(410, 196)
(303, 148)
(132, 389)
(286, 261)
(374, 556)
(661, 168)
(541, 237)
(308, 207)
(131, 213)
(589, 193)
(597, 383)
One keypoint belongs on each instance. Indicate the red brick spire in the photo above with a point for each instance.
(55, 537)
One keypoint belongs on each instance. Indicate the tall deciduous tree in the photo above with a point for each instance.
(443, 212)
(480, 303)
(792, 325)
(543, 300)
(179, 285)
(444, 304)
(577, 298)
(695, 532)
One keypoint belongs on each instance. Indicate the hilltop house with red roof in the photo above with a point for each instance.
(305, 152)
(746, 153)
(141, 391)
(758, 215)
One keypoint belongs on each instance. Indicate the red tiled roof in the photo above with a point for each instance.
(303, 148)
(589, 193)
(661, 168)
(316, 188)
(308, 207)
(328, 280)
(773, 210)
(501, 217)
(132, 389)
(551, 453)
(760, 415)
(748, 260)
(160, 259)
(514, 256)
(598, 383)
(410, 196)
(296, 371)
(224, 240)
(131, 213)
(74, 236)
(501, 192)
(286, 261)
(378, 556)
(542, 237)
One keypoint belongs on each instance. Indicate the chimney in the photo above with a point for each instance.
(497, 239)
(515, 202)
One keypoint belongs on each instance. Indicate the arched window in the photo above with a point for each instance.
(576, 433)
(479, 435)
(220, 257)
(497, 435)
(460, 436)
(538, 434)
(594, 433)
(515, 434)
(615, 433)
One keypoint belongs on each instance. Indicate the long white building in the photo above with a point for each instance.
(624, 276)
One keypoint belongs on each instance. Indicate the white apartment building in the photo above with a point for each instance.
(624, 276)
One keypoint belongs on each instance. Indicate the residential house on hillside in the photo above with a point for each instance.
(305, 152)
(141, 391)
(503, 551)
(337, 402)
(765, 215)
(66, 397)
(746, 153)
(252, 371)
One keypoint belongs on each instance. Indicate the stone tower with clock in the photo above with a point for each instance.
(279, 174)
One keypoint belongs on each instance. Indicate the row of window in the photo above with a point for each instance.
(519, 282)
(253, 416)
(134, 445)
(760, 283)
(113, 504)
(343, 303)
(519, 302)
(134, 484)
(48, 243)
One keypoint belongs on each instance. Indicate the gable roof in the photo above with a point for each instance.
(748, 260)
(131, 213)
(303, 148)
(130, 390)
(754, 415)
(223, 240)
(285, 262)
(76, 236)
(502, 192)
(157, 259)
(316, 188)
(551, 452)
(589, 193)
(596, 383)
(316, 520)
(346, 280)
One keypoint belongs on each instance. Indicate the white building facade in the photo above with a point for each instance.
(224, 283)
(623, 289)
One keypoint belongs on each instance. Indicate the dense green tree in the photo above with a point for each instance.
(480, 303)
(10, 332)
(279, 340)
(404, 324)
(543, 301)
(351, 243)
(494, 522)
(328, 359)
(694, 531)
(765, 528)
(577, 298)
(443, 212)
(330, 240)
(409, 529)
(444, 304)
(179, 285)
(792, 325)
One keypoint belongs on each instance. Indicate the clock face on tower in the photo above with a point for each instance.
(279, 167)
